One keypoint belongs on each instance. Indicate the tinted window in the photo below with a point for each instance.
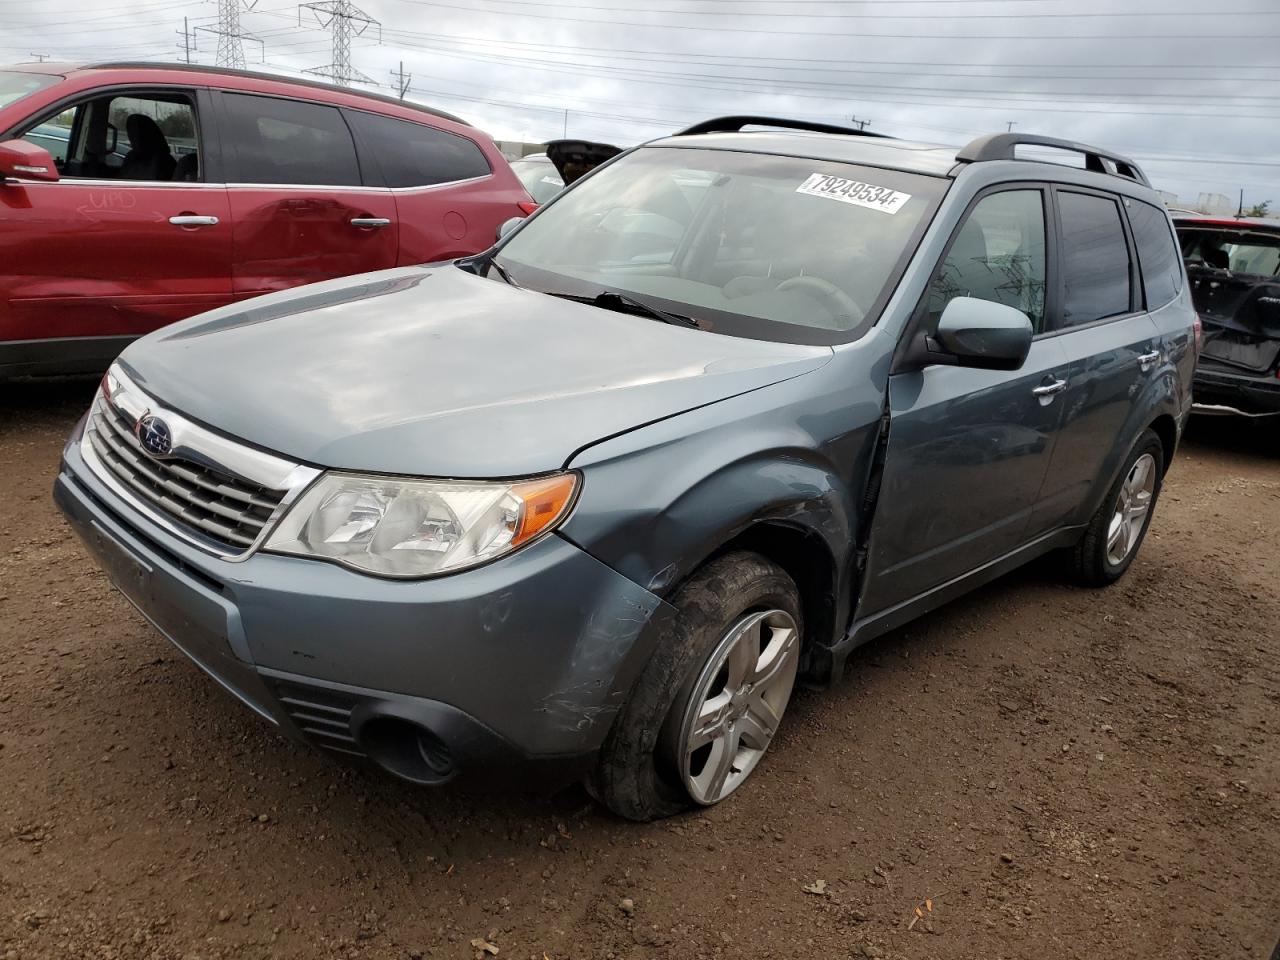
(1158, 257)
(1095, 259)
(416, 155)
(998, 255)
(287, 141)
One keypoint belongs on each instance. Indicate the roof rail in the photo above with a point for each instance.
(1002, 146)
(262, 75)
(735, 124)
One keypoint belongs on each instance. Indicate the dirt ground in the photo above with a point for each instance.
(1064, 773)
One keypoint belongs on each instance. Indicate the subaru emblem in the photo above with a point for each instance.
(155, 437)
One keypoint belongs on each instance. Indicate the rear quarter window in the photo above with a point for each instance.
(416, 154)
(1158, 255)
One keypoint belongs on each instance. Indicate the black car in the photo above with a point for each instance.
(1233, 265)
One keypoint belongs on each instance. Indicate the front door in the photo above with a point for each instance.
(968, 449)
(298, 201)
(130, 238)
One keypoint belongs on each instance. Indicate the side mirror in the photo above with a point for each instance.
(508, 225)
(26, 161)
(980, 333)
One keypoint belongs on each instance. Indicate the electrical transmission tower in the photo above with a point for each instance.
(230, 36)
(345, 20)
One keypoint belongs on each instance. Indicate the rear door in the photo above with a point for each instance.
(968, 449)
(1112, 346)
(449, 199)
(131, 237)
(301, 207)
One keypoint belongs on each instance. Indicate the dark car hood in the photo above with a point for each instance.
(435, 371)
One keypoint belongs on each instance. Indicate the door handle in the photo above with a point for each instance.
(188, 220)
(1049, 390)
(1146, 360)
(370, 222)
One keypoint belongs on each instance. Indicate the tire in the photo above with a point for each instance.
(1095, 560)
(639, 774)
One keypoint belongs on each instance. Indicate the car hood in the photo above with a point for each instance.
(435, 371)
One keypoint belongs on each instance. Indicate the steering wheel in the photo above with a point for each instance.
(832, 297)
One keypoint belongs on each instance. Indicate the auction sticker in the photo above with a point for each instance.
(855, 192)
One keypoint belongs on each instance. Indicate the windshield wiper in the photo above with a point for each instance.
(625, 303)
(502, 272)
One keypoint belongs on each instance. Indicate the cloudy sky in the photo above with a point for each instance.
(1189, 89)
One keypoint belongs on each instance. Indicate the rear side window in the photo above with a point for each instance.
(1158, 256)
(1095, 259)
(998, 255)
(289, 141)
(417, 155)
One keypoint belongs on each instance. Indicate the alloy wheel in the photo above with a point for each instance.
(1131, 508)
(737, 704)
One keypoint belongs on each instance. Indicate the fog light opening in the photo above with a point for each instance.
(407, 750)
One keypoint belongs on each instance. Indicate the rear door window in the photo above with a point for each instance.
(289, 141)
(1095, 259)
(1158, 255)
(416, 154)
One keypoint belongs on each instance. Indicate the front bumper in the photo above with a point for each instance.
(1222, 392)
(523, 662)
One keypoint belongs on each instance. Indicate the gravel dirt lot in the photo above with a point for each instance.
(1065, 773)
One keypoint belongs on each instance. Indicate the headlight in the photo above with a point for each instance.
(419, 528)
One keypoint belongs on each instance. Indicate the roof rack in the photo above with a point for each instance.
(1002, 146)
(278, 77)
(735, 124)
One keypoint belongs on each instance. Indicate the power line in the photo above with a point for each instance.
(345, 20)
(796, 15)
(950, 35)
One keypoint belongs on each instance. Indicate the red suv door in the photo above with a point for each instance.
(452, 192)
(299, 204)
(130, 238)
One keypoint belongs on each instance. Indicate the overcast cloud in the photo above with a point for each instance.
(1168, 82)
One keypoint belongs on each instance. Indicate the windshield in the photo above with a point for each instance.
(1253, 253)
(14, 85)
(778, 248)
(539, 178)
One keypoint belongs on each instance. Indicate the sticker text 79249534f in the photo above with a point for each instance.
(855, 192)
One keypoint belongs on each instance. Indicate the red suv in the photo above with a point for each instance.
(135, 194)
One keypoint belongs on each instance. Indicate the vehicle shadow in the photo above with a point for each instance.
(35, 400)
(1254, 439)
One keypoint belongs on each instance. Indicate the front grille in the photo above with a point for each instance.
(224, 508)
(323, 715)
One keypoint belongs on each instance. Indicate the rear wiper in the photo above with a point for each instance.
(625, 303)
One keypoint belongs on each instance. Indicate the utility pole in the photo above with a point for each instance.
(230, 36)
(402, 80)
(346, 20)
(39, 57)
(1010, 125)
(860, 124)
(565, 133)
(1240, 209)
(186, 39)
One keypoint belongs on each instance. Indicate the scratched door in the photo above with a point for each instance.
(84, 258)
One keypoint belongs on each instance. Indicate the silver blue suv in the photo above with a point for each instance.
(590, 503)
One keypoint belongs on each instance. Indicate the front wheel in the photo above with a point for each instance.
(708, 704)
(1117, 530)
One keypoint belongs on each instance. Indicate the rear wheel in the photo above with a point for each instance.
(1117, 530)
(708, 704)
